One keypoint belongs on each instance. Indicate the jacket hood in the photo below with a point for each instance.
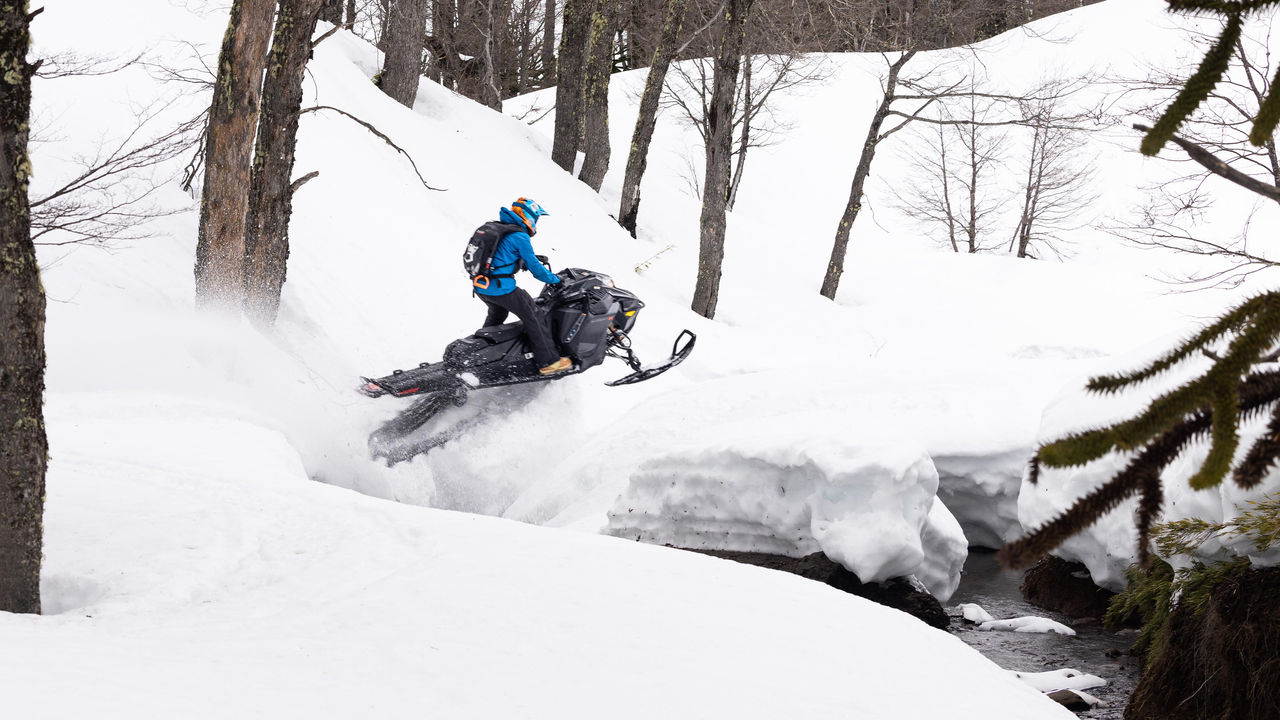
(506, 216)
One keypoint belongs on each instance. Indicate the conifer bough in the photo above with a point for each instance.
(1211, 70)
(1210, 406)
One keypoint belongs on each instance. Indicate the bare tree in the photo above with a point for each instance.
(229, 139)
(109, 197)
(930, 195)
(763, 78)
(272, 187)
(719, 149)
(595, 93)
(24, 447)
(1056, 191)
(647, 117)
(889, 93)
(406, 30)
(1175, 208)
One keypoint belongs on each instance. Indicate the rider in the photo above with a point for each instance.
(500, 293)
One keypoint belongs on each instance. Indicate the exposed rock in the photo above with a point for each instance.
(1065, 587)
(897, 593)
(1221, 664)
(1072, 700)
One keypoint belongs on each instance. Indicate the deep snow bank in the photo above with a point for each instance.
(1110, 545)
(185, 581)
(870, 509)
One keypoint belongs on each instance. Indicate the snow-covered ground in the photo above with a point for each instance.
(193, 570)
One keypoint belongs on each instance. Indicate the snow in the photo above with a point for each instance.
(1028, 624)
(1063, 679)
(196, 568)
(867, 508)
(975, 613)
(182, 580)
(1110, 545)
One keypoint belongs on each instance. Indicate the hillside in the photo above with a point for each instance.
(206, 555)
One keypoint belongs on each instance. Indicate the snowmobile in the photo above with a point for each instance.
(590, 318)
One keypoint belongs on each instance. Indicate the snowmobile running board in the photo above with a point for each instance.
(678, 355)
(458, 386)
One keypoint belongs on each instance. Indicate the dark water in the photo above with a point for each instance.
(1094, 649)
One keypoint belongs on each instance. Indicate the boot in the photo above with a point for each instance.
(558, 366)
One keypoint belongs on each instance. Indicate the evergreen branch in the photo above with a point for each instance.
(1225, 324)
(1077, 449)
(1105, 498)
(1264, 125)
(1256, 391)
(1261, 456)
(1198, 86)
(1224, 439)
(1026, 550)
(1152, 494)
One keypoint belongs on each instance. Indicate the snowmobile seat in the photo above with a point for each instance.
(501, 333)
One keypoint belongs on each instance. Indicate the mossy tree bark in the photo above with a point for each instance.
(403, 42)
(647, 119)
(719, 154)
(331, 11)
(548, 45)
(23, 445)
(595, 93)
(271, 189)
(835, 266)
(229, 139)
(570, 73)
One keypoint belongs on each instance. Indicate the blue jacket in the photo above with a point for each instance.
(516, 246)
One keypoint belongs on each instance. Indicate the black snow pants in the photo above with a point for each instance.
(536, 328)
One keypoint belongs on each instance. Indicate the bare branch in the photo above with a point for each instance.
(378, 133)
(325, 36)
(1216, 166)
(293, 186)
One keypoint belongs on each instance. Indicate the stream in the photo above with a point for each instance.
(1094, 649)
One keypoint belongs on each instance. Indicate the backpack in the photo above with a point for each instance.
(478, 256)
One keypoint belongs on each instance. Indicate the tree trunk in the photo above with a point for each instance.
(331, 11)
(492, 18)
(946, 188)
(228, 159)
(350, 22)
(24, 447)
(443, 41)
(595, 94)
(570, 71)
(972, 229)
(406, 32)
(719, 153)
(744, 141)
(271, 194)
(549, 45)
(647, 120)
(835, 266)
